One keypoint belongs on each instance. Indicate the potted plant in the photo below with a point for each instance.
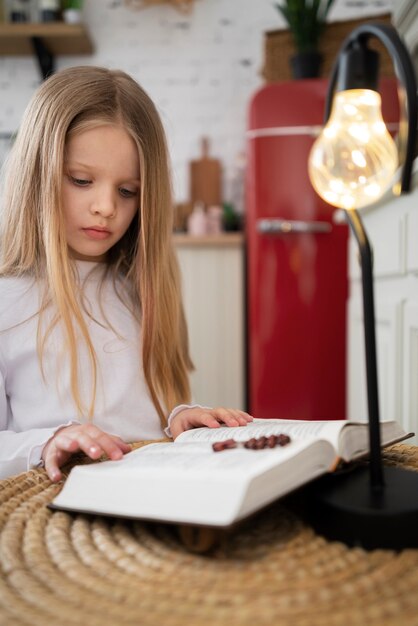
(306, 20)
(72, 11)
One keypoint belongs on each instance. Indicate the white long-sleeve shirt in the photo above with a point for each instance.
(34, 404)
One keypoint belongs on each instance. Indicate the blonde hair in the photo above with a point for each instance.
(33, 238)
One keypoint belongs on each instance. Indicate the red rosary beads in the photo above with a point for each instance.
(256, 443)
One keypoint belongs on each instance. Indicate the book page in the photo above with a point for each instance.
(190, 483)
(198, 461)
(296, 429)
(350, 439)
(354, 439)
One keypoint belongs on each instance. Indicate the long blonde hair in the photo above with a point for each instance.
(33, 233)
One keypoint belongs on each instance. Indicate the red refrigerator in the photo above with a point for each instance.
(296, 259)
(296, 263)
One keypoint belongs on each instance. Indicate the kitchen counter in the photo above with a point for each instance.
(224, 239)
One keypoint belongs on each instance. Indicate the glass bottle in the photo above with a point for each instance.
(197, 222)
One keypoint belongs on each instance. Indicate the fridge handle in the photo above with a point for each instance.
(285, 227)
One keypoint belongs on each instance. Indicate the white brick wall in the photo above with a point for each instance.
(200, 69)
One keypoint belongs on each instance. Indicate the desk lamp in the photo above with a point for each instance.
(351, 165)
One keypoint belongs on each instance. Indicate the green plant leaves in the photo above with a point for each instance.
(306, 19)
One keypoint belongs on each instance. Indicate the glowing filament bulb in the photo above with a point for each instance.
(354, 160)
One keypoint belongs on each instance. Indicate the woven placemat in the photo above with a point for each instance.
(68, 569)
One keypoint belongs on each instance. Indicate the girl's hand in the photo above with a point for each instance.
(212, 418)
(85, 437)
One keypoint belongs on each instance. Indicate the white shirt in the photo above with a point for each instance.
(33, 406)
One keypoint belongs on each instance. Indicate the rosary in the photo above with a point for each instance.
(256, 443)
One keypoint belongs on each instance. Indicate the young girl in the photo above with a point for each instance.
(93, 341)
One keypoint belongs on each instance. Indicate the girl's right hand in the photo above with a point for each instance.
(85, 437)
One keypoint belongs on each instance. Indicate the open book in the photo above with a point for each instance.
(188, 483)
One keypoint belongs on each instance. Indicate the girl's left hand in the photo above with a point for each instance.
(212, 418)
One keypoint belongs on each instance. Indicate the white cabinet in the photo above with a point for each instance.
(392, 228)
(212, 271)
(405, 19)
(389, 360)
(410, 380)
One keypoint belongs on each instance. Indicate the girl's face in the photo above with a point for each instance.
(100, 191)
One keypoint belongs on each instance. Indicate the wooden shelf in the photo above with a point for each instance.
(59, 38)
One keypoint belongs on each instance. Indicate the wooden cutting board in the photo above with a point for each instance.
(206, 178)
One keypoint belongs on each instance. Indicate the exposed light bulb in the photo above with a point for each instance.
(354, 160)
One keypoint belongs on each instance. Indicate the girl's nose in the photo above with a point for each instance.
(104, 205)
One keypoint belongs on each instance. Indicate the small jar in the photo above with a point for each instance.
(72, 16)
(49, 10)
(20, 11)
(214, 218)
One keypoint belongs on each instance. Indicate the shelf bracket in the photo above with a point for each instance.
(44, 56)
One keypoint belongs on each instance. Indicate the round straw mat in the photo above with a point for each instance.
(70, 569)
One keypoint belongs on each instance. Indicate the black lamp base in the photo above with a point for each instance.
(345, 508)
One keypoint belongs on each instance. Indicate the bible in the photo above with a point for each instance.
(187, 482)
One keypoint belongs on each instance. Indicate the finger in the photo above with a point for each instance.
(113, 448)
(205, 418)
(93, 442)
(61, 456)
(67, 442)
(112, 445)
(51, 465)
(246, 416)
(241, 416)
(228, 417)
(94, 439)
(87, 444)
(233, 417)
(125, 447)
(210, 422)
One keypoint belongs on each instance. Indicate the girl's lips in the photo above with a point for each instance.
(95, 233)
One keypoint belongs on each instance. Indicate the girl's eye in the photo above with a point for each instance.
(80, 182)
(127, 193)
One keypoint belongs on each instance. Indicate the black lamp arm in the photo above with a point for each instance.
(359, 232)
(404, 70)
